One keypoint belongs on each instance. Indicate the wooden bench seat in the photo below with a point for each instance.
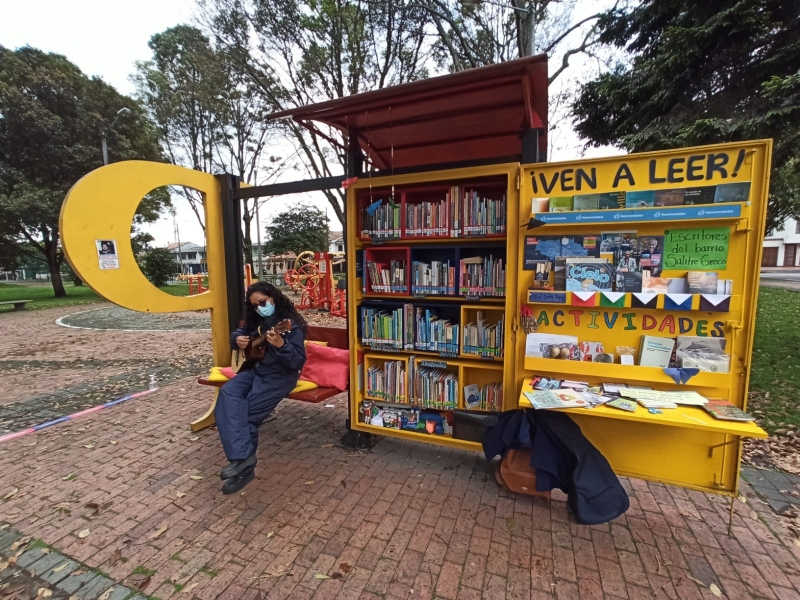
(336, 338)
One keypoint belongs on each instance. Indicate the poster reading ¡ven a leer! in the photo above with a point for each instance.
(703, 248)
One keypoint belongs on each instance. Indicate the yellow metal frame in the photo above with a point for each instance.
(686, 448)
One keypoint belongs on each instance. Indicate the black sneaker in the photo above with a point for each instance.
(238, 466)
(234, 484)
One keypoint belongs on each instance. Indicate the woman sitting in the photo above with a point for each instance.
(248, 399)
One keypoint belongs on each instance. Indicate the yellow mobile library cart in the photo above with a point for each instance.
(443, 264)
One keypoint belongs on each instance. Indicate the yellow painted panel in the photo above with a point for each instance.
(101, 206)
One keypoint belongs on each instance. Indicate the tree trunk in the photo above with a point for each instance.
(77, 281)
(247, 217)
(54, 267)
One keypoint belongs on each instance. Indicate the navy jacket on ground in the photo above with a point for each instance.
(563, 459)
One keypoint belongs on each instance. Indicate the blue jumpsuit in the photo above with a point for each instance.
(250, 397)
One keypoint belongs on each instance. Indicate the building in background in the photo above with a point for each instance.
(335, 241)
(782, 248)
(190, 259)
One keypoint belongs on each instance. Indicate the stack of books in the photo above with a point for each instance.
(483, 276)
(432, 388)
(483, 216)
(433, 278)
(387, 279)
(483, 339)
(387, 384)
(489, 397)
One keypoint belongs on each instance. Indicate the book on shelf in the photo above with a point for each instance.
(589, 275)
(433, 278)
(700, 282)
(483, 339)
(655, 351)
(585, 201)
(428, 219)
(699, 195)
(650, 251)
(432, 387)
(704, 353)
(387, 278)
(611, 200)
(561, 204)
(434, 334)
(654, 285)
(640, 199)
(381, 220)
(387, 383)
(669, 197)
(548, 399)
(482, 276)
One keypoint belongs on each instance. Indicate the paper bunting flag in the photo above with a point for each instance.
(615, 299)
(681, 375)
(642, 300)
(678, 302)
(584, 299)
(715, 302)
(373, 207)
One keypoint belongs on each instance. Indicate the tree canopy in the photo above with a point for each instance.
(51, 119)
(301, 227)
(699, 73)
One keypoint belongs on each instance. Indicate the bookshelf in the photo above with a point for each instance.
(451, 325)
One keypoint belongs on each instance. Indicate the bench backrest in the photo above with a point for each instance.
(335, 336)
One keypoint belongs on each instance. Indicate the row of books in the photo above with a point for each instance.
(711, 194)
(381, 220)
(388, 278)
(483, 276)
(434, 278)
(489, 397)
(478, 276)
(461, 213)
(483, 339)
(413, 327)
(431, 387)
(387, 383)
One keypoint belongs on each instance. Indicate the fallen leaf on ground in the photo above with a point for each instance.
(67, 477)
(159, 533)
(116, 557)
(345, 568)
(89, 446)
(180, 494)
(113, 443)
(84, 534)
(143, 584)
(715, 590)
(742, 499)
(188, 589)
(107, 594)
(321, 576)
(93, 506)
(344, 484)
(20, 543)
(194, 439)
(697, 581)
(796, 542)
(61, 568)
(43, 593)
(196, 477)
(326, 446)
(11, 494)
(754, 515)
(45, 550)
(337, 575)
(78, 572)
(309, 482)
(270, 534)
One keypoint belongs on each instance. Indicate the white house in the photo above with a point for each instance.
(782, 248)
(190, 257)
(335, 241)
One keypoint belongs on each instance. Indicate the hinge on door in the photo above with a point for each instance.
(517, 181)
(514, 324)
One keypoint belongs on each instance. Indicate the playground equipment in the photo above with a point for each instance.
(195, 284)
(312, 277)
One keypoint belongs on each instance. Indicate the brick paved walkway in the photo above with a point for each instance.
(402, 521)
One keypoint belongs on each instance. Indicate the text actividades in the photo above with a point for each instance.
(596, 319)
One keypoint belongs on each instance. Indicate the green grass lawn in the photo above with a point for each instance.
(775, 374)
(41, 294)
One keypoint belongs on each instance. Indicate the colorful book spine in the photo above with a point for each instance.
(383, 328)
(482, 339)
(492, 397)
(434, 388)
(387, 383)
(427, 219)
(483, 216)
(387, 279)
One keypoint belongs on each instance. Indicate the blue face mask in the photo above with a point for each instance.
(267, 310)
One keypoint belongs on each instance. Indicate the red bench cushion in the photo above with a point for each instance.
(326, 366)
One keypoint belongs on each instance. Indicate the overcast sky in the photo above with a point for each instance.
(106, 37)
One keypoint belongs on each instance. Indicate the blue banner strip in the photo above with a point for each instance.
(634, 215)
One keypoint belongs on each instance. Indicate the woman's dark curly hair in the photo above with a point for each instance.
(284, 309)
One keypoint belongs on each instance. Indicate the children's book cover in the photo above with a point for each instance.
(589, 276)
(611, 200)
(549, 247)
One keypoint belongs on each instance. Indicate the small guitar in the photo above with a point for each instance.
(244, 358)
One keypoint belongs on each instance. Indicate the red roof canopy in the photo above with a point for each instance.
(470, 115)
